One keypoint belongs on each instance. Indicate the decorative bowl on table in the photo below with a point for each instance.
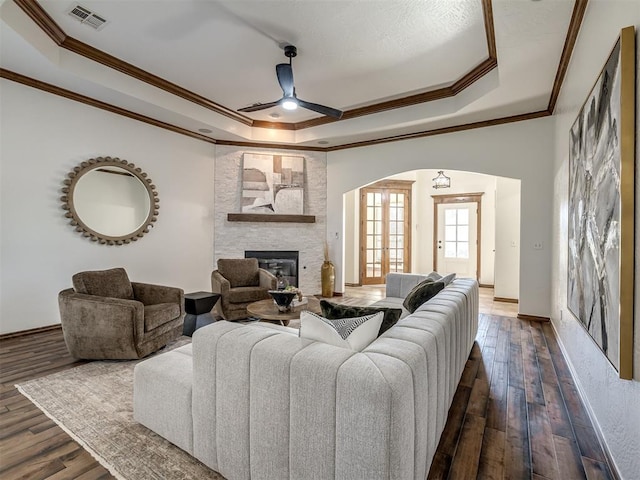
(283, 299)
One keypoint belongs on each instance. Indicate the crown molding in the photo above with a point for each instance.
(440, 131)
(47, 87)
(579, 7)
(35, 11)
(572, 34)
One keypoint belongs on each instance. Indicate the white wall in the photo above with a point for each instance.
(507, 235)
(614, 403)
(351, 235)
(522, 150)
(43, 138)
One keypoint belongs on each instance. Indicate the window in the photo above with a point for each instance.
(456, 233)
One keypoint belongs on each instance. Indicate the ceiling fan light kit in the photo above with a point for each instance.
(289, 100)
(289, 104)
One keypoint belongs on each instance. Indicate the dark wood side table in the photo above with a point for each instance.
(267, 310)
(198, 306)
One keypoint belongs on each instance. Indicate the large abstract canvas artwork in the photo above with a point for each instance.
(272, 184)
(601, 209)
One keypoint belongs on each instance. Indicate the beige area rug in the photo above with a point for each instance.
(93, 403)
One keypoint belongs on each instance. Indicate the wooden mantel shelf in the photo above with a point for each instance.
(270, 217)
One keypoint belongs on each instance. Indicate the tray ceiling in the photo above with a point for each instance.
(361, 57)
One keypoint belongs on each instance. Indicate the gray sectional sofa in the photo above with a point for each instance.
(260, 403)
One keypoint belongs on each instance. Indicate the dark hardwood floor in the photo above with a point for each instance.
(516, 413)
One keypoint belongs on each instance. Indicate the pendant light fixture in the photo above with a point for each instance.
(441, 181)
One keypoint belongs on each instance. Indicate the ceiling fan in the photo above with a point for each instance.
(289, 100)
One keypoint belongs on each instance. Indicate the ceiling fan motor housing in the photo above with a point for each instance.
(290, 51)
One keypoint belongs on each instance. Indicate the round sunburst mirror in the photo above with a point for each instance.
(110, 201)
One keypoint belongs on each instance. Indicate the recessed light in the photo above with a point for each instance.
(204, 130)
(323, 142)
(274, 115)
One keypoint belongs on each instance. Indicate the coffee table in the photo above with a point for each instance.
(267, 310)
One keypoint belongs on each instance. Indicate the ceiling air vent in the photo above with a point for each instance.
(87, 17)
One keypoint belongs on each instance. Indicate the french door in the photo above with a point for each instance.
(385, 230)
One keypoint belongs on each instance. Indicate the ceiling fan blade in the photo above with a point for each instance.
(328, 111)
(259, 106)
(285, 78)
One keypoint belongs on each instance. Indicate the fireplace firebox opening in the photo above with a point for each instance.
(281, 263)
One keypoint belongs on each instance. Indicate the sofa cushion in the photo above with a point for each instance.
(159, 314)
(353, 333)
(334, 311)
(112, 283)
(421, 293)
(246, 294)
(241, 272)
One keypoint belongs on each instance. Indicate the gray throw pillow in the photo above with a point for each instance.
(447, 279)
(422, 292)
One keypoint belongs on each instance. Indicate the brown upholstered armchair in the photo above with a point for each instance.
(105, 316)
(240, 282)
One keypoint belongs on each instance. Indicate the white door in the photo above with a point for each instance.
(457, 239)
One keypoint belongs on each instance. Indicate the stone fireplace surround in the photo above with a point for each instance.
(232, 239)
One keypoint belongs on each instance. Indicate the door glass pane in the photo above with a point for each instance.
(463, 233)
(370, 228)
(450, 234)
(377, 199)
(450, 249)
(369, 241)
(369, 256)
(370, 213)
(449, 216)
(463, 250)
(463, 216)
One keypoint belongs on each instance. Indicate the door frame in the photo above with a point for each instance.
(404, 185)
(458, 198)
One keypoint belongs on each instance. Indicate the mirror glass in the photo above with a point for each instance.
(111, 201)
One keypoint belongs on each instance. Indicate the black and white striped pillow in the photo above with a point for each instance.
(355, 333)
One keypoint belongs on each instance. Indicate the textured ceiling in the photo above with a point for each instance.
(350, 54)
